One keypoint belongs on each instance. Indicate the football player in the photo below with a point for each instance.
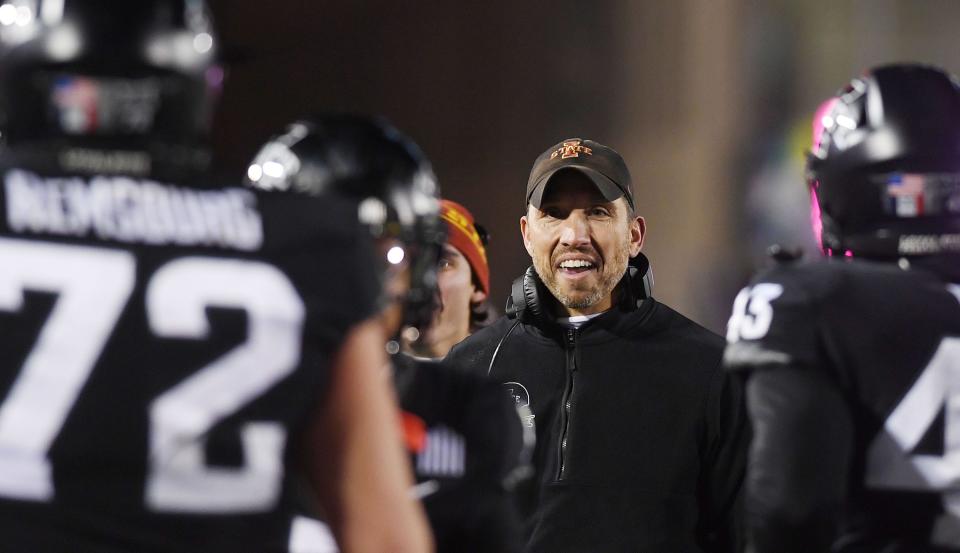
(173, 352)
(853, 363)
(463, 432)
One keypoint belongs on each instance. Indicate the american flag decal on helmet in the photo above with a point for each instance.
(905, 194)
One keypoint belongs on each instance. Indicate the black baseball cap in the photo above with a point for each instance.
(601, 164)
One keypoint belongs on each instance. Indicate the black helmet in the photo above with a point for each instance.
(384, 172)
(132, 77)
(885, 171)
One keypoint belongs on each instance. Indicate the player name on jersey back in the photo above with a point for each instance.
(124, 209)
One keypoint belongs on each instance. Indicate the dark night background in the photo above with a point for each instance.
(709, 102)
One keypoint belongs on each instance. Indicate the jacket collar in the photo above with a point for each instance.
(613, 324)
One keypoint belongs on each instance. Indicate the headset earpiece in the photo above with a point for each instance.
(638, 282)
(533, 293)
(643, 277)
(526, 297)
(516, 304)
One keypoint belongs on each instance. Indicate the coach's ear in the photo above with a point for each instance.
(525, 234)
(638, 232)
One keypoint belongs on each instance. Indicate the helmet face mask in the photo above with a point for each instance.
(885, 172)
(386, 177)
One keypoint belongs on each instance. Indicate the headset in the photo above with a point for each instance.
(526, 302)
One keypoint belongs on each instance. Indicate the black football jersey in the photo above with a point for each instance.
(475, 452)
(471, 450)
(161, 347)
(888, 340)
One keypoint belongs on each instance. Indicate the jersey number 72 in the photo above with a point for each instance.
(93, 287)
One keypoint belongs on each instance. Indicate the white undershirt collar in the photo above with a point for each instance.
(577, 321)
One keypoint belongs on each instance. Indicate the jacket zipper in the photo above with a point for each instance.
(566, 403)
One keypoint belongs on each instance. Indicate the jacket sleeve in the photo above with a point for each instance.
(724, 464)
(799, 460)
(470, 355)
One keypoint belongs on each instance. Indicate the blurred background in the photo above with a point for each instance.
(709, 102)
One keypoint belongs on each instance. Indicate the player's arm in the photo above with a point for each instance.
(728, 437)
(355, 456)
(799, 460)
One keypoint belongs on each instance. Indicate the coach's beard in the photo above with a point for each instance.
(613, 270)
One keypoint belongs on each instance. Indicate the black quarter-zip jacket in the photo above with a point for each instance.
(641, 437)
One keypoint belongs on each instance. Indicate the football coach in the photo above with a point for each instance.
(641, 437)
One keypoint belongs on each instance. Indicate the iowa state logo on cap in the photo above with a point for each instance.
(571, 148)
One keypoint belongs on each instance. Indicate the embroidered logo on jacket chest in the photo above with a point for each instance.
(521, 398)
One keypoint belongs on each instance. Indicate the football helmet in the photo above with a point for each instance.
(371, 163)
(109, 75)
(884, 170)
